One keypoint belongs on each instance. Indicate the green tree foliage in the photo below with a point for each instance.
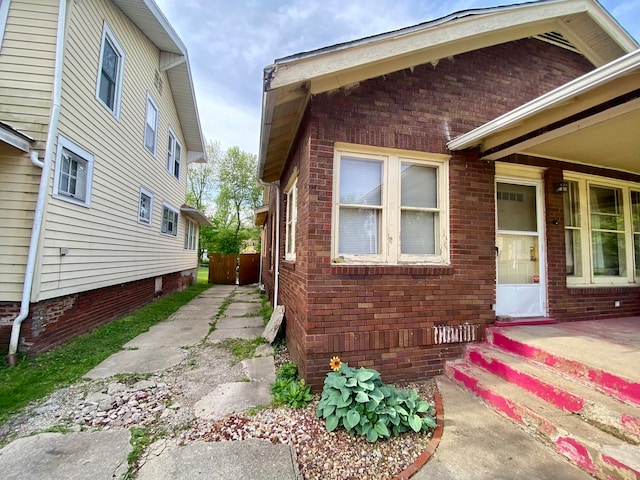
(229, 188)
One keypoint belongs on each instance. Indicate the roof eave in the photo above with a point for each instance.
(148, 17)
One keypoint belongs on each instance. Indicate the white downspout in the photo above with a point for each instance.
(277, 267)
(38, 218)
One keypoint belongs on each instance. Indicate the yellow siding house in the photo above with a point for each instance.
(98, 122)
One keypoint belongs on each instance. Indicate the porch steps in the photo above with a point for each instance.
(595, 431)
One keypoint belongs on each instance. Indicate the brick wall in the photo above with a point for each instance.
(52, 322)
(388, 317)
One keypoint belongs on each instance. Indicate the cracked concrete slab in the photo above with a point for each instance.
(232, 397)
(72, 456)
(245, 333)
(238, 309)
(145, 360)
(250, 459)
(239, 322)
(260, 369)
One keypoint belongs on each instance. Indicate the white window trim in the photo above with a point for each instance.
(390, 217)
(65, 144)
(177, 213)
(588, 278)
(171, 154)
(291, 219)
(107, 34)
(151, 101)
(150, 195)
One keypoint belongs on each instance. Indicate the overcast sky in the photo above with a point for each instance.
(231, 41)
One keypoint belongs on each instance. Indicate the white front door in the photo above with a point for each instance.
(520, 290)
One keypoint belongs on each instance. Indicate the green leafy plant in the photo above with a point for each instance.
(288, 389)
(358, 400)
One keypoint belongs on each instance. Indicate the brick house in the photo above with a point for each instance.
(428, 182)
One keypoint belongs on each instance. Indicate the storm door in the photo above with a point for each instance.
(520, 290)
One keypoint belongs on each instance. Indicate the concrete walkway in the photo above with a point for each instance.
(103, 454)
(479, 444)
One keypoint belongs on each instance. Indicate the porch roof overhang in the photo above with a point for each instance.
(196, 215)
(593, 120)
(260, 215)
(15, 138)
(579, 25)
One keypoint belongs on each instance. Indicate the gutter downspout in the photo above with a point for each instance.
(12, 358)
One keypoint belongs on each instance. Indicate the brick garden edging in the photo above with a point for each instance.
(424, 457)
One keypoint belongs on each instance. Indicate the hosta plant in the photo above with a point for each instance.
(357, 400)
(288, 389)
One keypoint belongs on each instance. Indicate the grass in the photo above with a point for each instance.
(240, 348)
(266, 309)
(203, 274)
(34, 378)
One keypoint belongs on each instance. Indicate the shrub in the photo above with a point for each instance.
(288, 389)
(358, 401)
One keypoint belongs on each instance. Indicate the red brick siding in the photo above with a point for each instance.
(53, 322)
(383, 316)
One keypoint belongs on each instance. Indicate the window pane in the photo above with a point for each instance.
(606, 208)
(108, 75)
(573, 252)
(608, 254)
(360, 181)
(572, 206)
(359, 231)
(418, 233)
(418, 186)
(635, 215)
(517, 207)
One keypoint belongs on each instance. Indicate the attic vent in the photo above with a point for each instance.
(557, 39)
(511, 196)
(157, 81)
(455, 334)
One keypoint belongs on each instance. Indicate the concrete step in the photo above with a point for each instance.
(598, 409)
(567, 362)
(602, 455)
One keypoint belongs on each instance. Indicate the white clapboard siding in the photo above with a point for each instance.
(18, 190)
(26, 66)
(106, 244)
(26, 78)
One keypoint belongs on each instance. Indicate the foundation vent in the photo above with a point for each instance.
(455, 334)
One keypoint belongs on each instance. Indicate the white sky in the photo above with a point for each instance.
(231, 41)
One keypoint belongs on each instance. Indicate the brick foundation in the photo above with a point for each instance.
(53, 322)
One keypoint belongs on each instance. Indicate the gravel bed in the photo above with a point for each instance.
(164, 402)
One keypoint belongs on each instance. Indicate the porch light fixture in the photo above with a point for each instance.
(561, 187)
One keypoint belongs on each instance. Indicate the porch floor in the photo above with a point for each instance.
(586, 347)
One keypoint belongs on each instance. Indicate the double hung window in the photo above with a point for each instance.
(190, 236)
(291, 194)
(602, 231)
(73, 173)
(151, 126)
(145, 208)
(109, 88)
(390, 208)
(169, 220)
(174, 154)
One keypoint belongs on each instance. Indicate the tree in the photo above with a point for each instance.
(238, 194)
(201, 179)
